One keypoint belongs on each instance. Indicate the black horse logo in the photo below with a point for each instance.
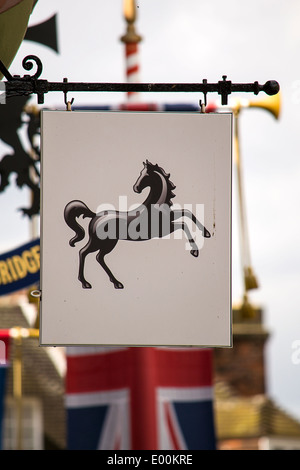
(154, 218)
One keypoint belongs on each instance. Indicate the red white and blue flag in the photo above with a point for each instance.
(172, 107)
(139, 398)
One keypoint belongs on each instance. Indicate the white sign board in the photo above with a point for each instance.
(136, 229)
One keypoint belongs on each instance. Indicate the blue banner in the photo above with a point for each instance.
(20, 268)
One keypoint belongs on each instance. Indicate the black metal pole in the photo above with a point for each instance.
(16, 85)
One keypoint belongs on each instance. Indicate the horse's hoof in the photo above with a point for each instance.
(118, 285)
(86, 285)
(206, 233)
(195, 253)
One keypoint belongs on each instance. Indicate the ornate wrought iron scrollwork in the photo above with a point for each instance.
(28, 65)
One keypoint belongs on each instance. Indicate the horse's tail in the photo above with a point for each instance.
(72, 210)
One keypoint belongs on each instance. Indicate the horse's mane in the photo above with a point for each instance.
(170, 185)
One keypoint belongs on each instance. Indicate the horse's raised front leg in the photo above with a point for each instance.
(100, 259)
(182, 225)
(186, 213)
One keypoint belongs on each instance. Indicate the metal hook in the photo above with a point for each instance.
(68, 103)
(203, 105)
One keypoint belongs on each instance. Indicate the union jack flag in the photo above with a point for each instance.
(139, 398)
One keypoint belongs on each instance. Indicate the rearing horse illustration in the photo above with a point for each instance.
(154, 218)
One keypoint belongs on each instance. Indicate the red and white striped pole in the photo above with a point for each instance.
(131, 40)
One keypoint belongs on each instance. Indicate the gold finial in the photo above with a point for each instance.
(129, 11)
(129, 8)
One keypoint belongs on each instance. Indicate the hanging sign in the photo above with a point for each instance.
(20, 268)
(136, 229)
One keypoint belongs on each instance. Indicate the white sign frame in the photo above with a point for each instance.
(166, 296)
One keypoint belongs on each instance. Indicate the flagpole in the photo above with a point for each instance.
(17, 383)
(144, 432)
(18, 333)
(250, 281)
(131, 40)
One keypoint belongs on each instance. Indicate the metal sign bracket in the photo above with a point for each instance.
(32, 84)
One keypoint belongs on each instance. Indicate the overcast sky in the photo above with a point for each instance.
(187, 42)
